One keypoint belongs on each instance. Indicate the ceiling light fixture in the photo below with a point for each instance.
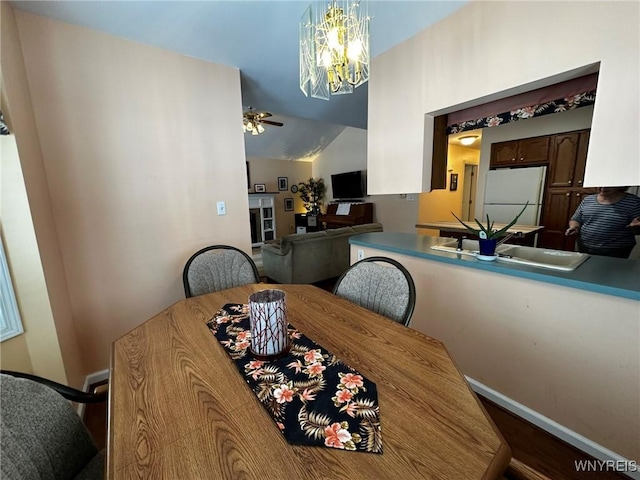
(252, 120)
(334, 48)
(468, 140)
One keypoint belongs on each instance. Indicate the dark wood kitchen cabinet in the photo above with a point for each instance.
(568, 159)
(564, 192)
(559, 205)
(515, 153)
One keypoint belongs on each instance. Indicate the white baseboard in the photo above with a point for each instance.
(554, 428)
(90, 379)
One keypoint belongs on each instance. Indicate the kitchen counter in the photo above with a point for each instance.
(563, 344)
(610, 276)
(457, 227)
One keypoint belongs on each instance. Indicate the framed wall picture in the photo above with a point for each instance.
(283, 184)
(288, 204)
(453, 182)
(259, 188)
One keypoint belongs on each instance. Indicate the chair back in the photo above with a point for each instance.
(41, 435)
(379, 284)
(218, 267)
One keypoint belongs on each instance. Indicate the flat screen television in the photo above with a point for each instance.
(348, 186)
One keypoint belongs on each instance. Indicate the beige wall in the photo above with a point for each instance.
(138, 144)
(568, 354)
(36, 350)
(480, 52)
(347, 153)
(437, 205)
(40, 340)
(267, 171)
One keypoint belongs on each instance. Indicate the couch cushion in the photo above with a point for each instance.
(296, 237)
(368, 227)
(289, 240)
(340, 231)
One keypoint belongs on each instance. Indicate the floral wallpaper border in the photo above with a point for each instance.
(555, 106)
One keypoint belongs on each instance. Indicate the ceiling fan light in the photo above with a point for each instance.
(252, 121)
(468, 140)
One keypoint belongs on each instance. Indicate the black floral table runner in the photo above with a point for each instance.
(313, 397)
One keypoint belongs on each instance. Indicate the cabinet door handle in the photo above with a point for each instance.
(568, 194)
(579, 181)
(577, 194)
(513, 159)
(522, 159)
(569, 182)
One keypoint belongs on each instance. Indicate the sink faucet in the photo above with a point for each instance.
(511, 235)
(460, 239)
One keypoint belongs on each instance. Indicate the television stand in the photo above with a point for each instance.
(359, 213)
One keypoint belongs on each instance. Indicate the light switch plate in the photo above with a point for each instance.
(222, 208)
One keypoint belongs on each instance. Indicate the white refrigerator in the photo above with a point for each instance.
(506, 191)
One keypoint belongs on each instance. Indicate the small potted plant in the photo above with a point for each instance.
(487, 235)
(312, 193)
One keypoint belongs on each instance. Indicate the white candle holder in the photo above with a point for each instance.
(268, 323)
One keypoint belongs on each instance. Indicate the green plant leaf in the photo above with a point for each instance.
(489, 228)
(471, 229)
(482, 229)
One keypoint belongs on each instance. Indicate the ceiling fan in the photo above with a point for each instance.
(252, 121)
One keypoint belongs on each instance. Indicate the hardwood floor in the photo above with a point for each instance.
(95, 418)
(540, 450)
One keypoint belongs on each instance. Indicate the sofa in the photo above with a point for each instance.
(311, 257)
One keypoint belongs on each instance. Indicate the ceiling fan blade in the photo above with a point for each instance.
(269, 122)
(264, 114)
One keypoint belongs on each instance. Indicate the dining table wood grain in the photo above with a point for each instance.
(179, 408)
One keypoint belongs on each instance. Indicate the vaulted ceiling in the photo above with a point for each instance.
(260, 38)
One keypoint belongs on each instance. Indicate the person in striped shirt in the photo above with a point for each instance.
(603, 222)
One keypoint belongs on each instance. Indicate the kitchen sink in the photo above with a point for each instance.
(541, 257)
(469, 247)
(520, 254)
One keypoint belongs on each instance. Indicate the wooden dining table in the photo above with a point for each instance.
(180, 409)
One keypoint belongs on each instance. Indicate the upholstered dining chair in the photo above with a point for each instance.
(379, 284)
(218, 267)
(41, 435)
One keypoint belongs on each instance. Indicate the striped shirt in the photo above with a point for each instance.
(605, 225)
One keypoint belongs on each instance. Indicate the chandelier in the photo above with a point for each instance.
(334, 48)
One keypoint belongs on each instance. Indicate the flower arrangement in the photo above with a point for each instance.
(488, 232)
(312, 193)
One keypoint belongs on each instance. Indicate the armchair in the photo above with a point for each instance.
(41, 436)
